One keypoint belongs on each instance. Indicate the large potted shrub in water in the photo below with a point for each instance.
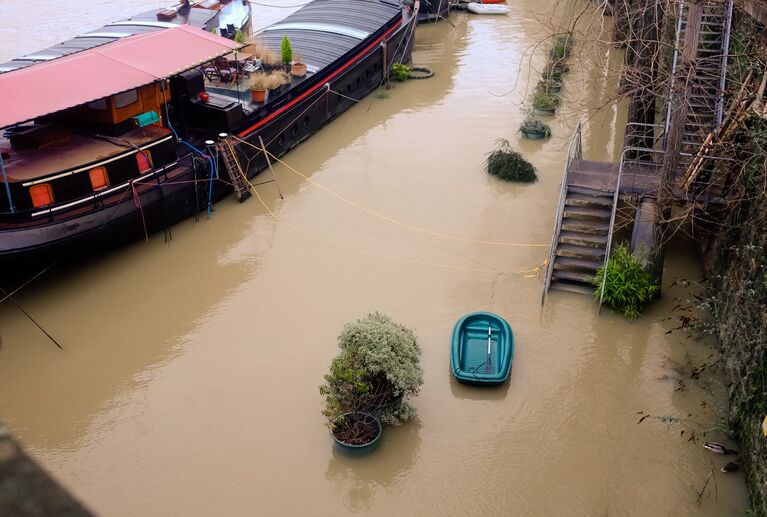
(377, 370)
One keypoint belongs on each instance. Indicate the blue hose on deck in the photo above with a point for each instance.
(210, 162)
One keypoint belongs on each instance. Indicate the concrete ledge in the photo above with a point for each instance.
(26, 490)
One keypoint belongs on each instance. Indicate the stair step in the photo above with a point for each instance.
(580, 225)
(583, 239)
(586, 213)
(583, 252)
(575, 199)
(573, 288)
(563, 274)
(577, 263)
(590, 192)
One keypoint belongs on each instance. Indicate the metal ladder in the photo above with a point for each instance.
(705, 105)
(232, 165)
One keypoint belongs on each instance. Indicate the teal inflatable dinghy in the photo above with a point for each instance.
(482, 349)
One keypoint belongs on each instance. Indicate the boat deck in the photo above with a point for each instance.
(70, 150)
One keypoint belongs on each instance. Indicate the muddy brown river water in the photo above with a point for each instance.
(188, 380)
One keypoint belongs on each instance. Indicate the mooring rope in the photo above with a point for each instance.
(386, 217)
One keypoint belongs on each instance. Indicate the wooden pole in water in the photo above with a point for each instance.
(269, 162)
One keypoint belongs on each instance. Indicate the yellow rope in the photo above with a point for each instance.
(387, 218)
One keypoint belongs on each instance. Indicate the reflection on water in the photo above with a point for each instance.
(359, 478)
(188, 380)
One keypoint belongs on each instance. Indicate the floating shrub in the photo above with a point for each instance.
(399, 72)
(508, 164)
(628, 287)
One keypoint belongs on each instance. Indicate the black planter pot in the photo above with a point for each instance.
(358, 449)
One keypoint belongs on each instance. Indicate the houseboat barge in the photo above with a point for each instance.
(114, 141)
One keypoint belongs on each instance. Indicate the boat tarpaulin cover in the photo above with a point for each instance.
(134, 61)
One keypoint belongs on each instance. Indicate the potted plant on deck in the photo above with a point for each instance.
(286, 52)
(259, 83)
(277, 83)
(534, 129)
(545, 103)
(298, 68)
(377, 370)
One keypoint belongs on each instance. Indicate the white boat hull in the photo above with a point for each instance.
(478, 8)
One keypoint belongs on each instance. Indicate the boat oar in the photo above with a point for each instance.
(488, 363)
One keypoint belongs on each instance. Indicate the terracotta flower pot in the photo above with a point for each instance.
(258, 95)
(298, 69)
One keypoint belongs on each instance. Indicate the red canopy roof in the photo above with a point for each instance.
(133, 61)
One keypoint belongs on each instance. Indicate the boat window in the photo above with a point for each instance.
(42, 195)
(99, 178)
(125, 98)
(99, 105)
(144, 161)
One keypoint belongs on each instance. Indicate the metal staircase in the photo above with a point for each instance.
(233, 169)
(582, 223)
(706, 82)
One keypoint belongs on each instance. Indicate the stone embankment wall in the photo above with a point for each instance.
(736, 263)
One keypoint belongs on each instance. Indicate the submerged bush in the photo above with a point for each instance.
(399, 72)
(508, 164)
(628, 287)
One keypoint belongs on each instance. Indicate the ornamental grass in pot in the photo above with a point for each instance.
(534, 129)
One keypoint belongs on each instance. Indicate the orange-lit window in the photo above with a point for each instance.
(144, 160)
(99, 178)
(42, 195)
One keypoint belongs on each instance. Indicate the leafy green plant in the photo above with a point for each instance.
(628, 287)
(508, 164)
(286, 50)
(531, 125)
(239, 37)
(399, 72)
(377, 370)
(545, 101)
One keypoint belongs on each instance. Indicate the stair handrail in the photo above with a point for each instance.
(675, 56)
(723, 72)
(616, 194)
(574, 151)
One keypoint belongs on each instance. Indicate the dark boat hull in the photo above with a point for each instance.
(433, 10)
(183, 188)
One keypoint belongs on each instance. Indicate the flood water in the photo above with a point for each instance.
(188, 380)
